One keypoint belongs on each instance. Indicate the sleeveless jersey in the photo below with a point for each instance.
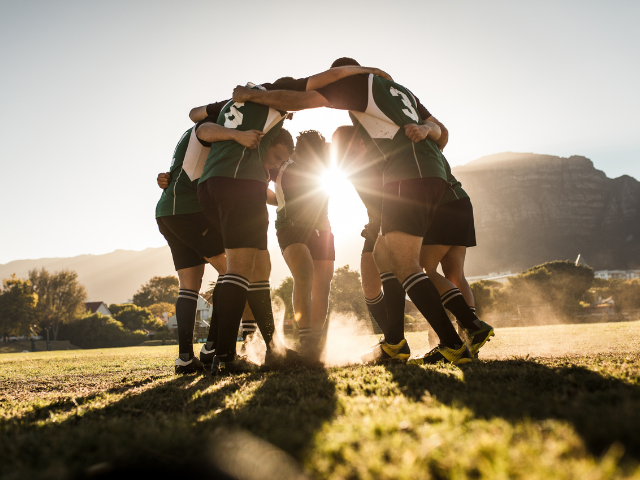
(181, 195)
(229, 158)
(390, 107)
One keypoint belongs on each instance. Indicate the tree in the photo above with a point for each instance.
(98, 331)
(158, 309)
(156, 290)
(134, 318)
(60, 297)
(285, 292)
(346, 293)
(18, 306)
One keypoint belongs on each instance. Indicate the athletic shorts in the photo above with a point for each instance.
(239, 207)
(320, 242)
(452, 225)
(191, 237)
(370, 236)
(409, 206)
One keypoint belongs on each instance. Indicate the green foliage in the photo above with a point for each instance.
(156, 290)
(625, 293)
(18, 306)
(133, 317)
(159, 308)
(60, 298)
(285, 292)
(560, 284)
(99, 331)
(346, 293)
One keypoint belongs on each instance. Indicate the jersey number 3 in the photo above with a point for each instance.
(409, 111)
(233, 118)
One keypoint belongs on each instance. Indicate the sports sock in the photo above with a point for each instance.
(394, 300)
(426, 298)
(259, 298)
(231, 301)
(453, 301)
(186, 307)
(212, 337)
(248, 327)
(305, 333)
(378, 310)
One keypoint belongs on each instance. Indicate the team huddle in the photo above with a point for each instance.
(213, 209)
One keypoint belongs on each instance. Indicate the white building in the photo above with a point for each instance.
(203, 314)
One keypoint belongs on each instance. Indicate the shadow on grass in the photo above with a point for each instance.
(167, 427)
(602, 410)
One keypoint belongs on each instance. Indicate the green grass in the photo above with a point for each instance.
(563, 417)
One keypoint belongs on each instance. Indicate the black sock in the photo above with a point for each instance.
(231, 301)
(394, 300)
(426, 298)
(259, 298)
(453, 301)
(248, 327)
(186, 307)
(378, 311)
(212, 337)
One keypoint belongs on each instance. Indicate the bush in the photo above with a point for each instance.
(99, 331)
(134, 317)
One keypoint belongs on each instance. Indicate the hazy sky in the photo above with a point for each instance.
(95, 95)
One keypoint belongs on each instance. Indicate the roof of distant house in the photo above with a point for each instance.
(93, 306)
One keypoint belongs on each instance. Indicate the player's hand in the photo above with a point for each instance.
(164, 179)
(382, 73)
(416, 133)
(241, 94)
(249, 139)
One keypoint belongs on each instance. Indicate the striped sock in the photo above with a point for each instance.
(378, 311)
(426, 298)
(304, 332)
(394, 297)
(231, 301)
(186, 307)
(259, 298)
(212, 337)
(453, 301)
(249, 326)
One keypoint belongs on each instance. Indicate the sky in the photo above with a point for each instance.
(95, 95)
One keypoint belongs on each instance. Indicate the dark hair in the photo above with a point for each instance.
(341, 62)
(343, 139)
(312, 145)
(283, 138)
(282, 80)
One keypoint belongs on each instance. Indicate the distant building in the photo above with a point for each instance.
(617, 274)
(98, 307)
(203, 314)
(497, 277)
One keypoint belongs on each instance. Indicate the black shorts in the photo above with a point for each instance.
(320, 242)
(409, 205)
(452, 225)
(370, 235)
(239, 206)
(191, 237)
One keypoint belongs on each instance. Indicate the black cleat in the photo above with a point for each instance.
(442, 353)
(206, 356)
(278, 359)
(234, 367)
(477, 338)
(385, 352)
(191, 366)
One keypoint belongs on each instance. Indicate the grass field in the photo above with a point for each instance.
(561, 402)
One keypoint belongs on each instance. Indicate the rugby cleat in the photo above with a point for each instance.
(442, 353)
(477, 338)
(190, 366)
(276, 359)
(386, 352)
(233, 367)
(206, 356)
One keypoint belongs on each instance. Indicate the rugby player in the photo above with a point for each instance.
(397, 129)
(305, 238)
(232, 193)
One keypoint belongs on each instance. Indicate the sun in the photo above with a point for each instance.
(332, 180)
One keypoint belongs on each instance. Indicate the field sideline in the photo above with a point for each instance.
(559, 402)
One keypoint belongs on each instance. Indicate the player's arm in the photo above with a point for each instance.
(283, 100)
(212, 132)
(444, 133)
(338, 73)
(198, 114)
(427, 129)
(164, 179)
(271, 198)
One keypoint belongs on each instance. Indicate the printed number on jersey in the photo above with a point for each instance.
(409, 111)
(233, 118)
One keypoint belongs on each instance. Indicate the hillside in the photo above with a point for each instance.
(533, 208)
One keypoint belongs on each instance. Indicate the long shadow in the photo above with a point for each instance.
(166, 429)
(603, 410)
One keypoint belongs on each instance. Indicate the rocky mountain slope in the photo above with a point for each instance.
(533, 208)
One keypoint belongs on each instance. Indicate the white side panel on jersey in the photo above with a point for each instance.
(374, 121)
(278, 182)
(273, 118)
(195, 157)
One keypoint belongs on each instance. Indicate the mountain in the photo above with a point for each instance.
(532, 208)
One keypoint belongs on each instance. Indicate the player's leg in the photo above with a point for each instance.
(322, 276)
(298, 259)
(394, 294)
(186, 307)
(248, 324)
(372, 290)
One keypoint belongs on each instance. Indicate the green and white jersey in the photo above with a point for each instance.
(181, 195)
(454, 189)
(229, 158)
(390, 107)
